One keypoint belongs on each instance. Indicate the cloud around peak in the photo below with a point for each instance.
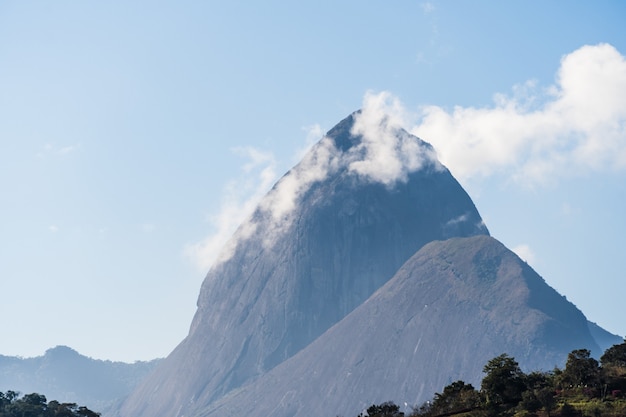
(239, 198)
(534, 136)
(386, 153)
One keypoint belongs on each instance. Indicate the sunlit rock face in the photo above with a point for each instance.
(451, 308)
(329, 234)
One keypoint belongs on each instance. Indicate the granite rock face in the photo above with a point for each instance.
(330, 233)
(365, 275)
(453, 306)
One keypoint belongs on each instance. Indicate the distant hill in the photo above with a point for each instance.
(67, 376)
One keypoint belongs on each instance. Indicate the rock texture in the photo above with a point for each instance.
(452, 307)
(287, 323)
(289, 275)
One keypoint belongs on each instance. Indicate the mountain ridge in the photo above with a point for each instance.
(328, 234)
(333, 231)
(417, 325)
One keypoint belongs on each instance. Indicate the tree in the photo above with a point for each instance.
(615, 356)
(537, 380)
(581, 370)
(7, 398)
(546, 399)
(503, 383)
(530, 402)
(35, 405)
(387, 409)
(457, 396)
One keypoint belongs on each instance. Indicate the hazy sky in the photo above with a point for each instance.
(134, 136)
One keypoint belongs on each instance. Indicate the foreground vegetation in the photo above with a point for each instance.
(585, 388)
(36, 405)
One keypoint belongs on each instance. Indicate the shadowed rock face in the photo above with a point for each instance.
(452, 307)
(291, 275)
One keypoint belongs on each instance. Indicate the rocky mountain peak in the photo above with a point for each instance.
(331, 232)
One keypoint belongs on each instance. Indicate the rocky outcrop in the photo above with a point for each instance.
(329, 234)
(365, 275)
(452, 307)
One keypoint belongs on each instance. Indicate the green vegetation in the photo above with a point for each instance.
(585, 388)
(36, 405)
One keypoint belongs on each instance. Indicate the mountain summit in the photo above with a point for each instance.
(331, 233)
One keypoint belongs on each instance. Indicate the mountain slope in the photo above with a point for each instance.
(603, 338)
(453, 306)
(331, 232)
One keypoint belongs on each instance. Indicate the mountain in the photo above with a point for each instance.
(65, 375)
(332, 231)
(452, 307)
(603, 338)
(309, 310)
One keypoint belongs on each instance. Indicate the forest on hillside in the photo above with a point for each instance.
(585, 388)
(36, 405)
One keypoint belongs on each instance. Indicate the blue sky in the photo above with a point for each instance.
(134, 136)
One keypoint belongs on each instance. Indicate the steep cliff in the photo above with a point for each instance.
(452, 307)
(330, 233)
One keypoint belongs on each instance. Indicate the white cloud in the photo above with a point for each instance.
(533, 136)
(386, 154)
(427, 7)
(280, 202)
(240, 198)
(460, 219)
(536, 136)
(313, 134)
(53, 228)
(67, 149)
(49, 149)
(525, 253)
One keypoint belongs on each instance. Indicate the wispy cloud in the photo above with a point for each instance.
(525, 253)
(385, 154)
(49, 150)
(67, 149)
(427, 7)
(313, 134)
(281, 201)
(536, 136)
(388, 153)
(532, 136)
(240, 197)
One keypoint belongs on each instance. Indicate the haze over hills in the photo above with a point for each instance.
(64, 375)
(286, 316)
